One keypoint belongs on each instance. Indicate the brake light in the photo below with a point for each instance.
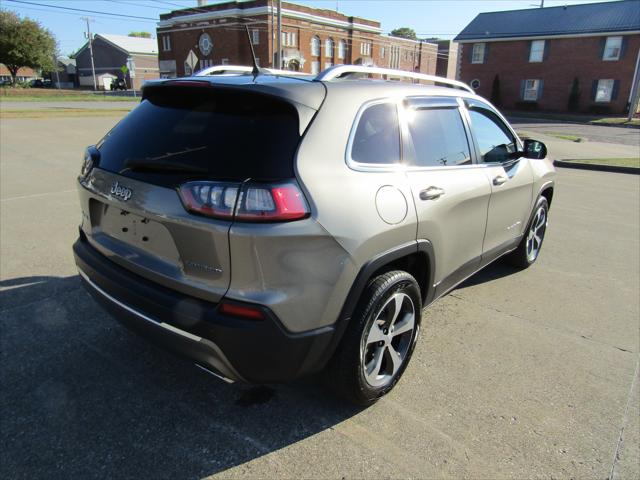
(249, 202)
(244, 311)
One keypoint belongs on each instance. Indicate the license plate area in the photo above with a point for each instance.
(138, 231)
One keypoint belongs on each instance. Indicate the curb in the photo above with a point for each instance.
(596, 167)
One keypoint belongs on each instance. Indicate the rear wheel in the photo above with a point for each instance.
(529, 248)
(379, 340)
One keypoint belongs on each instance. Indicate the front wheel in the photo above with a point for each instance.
(379, 340)
(529, 248)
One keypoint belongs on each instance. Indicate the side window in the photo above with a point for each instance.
(377, 137)
(438, 138)
(494, 138)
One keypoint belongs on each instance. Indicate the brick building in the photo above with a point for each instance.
(110, 54)
(538, 54)
(312, 39)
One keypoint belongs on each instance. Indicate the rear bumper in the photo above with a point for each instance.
(235, 349)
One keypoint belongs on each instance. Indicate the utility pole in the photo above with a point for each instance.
(541, 3)
(634, 95)
(93, 67)
(279, 39)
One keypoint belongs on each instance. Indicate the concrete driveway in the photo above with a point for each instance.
(516, 374)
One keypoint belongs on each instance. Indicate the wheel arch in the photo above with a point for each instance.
(547, 192)
(416, 258)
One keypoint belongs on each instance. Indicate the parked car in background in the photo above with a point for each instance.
(270, 226)
(40, 83)
(118, 84)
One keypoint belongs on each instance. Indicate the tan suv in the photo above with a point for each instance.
(271, 226)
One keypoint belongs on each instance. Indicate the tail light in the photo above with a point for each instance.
(241, 310)
(249, 202)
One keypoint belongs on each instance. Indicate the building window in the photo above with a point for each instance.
(612, 48)
(328, 65)
(328, 48)
(258, 61)
(166, 43)
(289, 39)
(531, 89)
(315, 67)
(365, 49)
(255, 36)
(381, 52)
(187, 69)
(342, 49)
(604, 91)
(225, 61)
(536, 53)
(315, 46)
(477, 55)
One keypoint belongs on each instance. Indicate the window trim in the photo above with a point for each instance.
(316, 48)
(604, 51)
(609, 100)
(255, 36)
(524, 91)
(342, 49)
(375, 167)
(473, 52)
(544, 45)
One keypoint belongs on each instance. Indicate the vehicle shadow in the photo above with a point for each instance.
(491, 272)
(84, 397)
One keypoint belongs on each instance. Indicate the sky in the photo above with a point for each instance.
(429, 18)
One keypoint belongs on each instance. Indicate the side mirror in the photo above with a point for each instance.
(534, 149)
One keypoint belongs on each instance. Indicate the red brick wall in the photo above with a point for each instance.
(230, 41)
(567, 59)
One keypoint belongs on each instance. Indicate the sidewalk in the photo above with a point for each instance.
(560, 149)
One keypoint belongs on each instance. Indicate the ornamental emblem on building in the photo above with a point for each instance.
(205, 44)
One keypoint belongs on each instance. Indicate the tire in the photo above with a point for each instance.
(362, 369)
(529, 248)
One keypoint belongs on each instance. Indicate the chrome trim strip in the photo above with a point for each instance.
(166, 326)
(242, 69)
(217, 375)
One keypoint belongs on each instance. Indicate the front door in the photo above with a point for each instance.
(511, 180)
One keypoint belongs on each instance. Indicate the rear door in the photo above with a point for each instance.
(132, 211)
(511, 179)
(450, 192)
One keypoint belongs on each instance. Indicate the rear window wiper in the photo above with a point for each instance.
(158, 163)
(145, 164)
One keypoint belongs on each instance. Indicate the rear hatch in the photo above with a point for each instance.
(180, 133)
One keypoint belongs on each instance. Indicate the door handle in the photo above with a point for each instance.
(431, 193)
(499, 180)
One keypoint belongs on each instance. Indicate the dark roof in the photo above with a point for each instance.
(565, 20)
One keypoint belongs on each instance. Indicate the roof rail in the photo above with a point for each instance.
(240, 69)
(336, 71)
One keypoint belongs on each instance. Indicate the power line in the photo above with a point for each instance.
(82, 10)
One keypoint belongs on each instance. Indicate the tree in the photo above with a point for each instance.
(404, 32)
(25, 43)
(140, 34)
(495, 91)
(574, 95)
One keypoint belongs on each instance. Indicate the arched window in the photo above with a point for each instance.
(342, 49)
(315, 46)
(328, 48)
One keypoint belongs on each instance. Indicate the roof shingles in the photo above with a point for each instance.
(621, 16)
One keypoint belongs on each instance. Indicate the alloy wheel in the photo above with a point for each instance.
(388, 341)
(536, 234)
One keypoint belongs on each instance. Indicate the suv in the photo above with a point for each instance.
(270, 226)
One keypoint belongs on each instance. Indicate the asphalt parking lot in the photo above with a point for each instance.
(516, 374)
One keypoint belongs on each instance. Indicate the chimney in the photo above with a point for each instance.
(202, 3)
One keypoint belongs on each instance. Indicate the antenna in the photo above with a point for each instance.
(256, 69)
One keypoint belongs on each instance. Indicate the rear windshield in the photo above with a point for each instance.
(178, 132)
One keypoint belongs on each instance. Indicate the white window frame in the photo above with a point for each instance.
(536, 53)
(612, 49)
(255, 36)
(315, 67)
(604, 90)
(166, 43)
(315, 46)
(328, 48)
(225, 61)
(342, 49)
(477, 54)
(531, 90)
(365, 49)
